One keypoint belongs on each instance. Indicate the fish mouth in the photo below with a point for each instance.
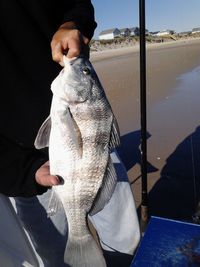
(71, 61)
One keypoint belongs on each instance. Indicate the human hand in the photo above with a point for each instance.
(44, 178)
(69, 41)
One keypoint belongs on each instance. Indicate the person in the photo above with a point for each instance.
(31, 34)
(27, 71)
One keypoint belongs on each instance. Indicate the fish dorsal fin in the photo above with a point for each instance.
(114, 135)
(106, 190)
(42, 138)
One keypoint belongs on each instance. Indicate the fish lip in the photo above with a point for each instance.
(72, 60)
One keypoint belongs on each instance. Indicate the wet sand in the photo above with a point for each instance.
(173, 113)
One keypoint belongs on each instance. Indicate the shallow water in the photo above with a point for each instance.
(177, 116)
(174, 148)
(172, 121)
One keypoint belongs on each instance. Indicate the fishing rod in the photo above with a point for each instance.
(144, 201)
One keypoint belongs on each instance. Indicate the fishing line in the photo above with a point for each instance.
(195, 217)
(195, 198)
(137, 178)
(193, 172)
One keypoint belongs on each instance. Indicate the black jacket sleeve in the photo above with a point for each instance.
(17, 169)
(81, 12)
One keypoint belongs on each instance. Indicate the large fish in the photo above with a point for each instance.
(80, 132)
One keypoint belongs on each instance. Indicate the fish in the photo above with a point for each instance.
(81, 132)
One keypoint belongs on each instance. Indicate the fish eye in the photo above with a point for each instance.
(86, 71)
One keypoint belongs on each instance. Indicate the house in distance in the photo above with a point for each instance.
(109, 34)
(115, 32)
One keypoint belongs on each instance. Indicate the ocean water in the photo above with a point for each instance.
(177, 116)
(174, 149)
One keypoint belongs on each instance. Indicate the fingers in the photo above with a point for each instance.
(67, 42)
(44, 178)
(74, 49)
(47, 180)
(85, 40)
(57, 53)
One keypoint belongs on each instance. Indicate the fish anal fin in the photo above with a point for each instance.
(54, 205)
(42, 138)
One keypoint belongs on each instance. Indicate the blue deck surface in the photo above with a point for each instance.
(169, 243)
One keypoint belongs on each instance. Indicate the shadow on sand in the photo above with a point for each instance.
(130, 153)
(177, 193)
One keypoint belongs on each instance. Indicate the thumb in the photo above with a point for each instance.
(48, 180)
(85, 40)
(57, 53)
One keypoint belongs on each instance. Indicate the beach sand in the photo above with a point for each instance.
(173, 115)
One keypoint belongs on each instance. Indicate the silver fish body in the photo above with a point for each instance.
(80, 132)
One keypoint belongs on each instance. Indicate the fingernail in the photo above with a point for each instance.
(61, 63)
(55, 180)
(59, 179)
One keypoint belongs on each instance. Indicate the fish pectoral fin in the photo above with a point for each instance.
(42, 138)
(114, 135)
(75, 133)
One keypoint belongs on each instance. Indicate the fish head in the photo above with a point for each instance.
(77, 82)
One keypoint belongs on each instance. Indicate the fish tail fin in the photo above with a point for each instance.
(83, 252)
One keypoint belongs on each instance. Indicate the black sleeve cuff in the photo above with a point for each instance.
(18, 166)
(29, 186)
(82, 14)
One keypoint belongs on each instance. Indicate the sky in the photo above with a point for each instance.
(178, 15)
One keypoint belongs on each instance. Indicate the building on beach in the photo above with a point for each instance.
(196, 30)
(187, 33)
(135, 31)
(115, 32)
(125, 32)
(109, 34)
(165, 32)
(154, 33)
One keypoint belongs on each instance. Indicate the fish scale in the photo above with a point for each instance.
(80, 132)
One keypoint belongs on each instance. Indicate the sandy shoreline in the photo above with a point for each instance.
(119, 72)
(169, 121)
(109, 53)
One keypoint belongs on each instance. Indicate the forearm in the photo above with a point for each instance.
(18, 166)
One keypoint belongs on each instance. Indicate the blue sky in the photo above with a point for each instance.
(178, 15)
